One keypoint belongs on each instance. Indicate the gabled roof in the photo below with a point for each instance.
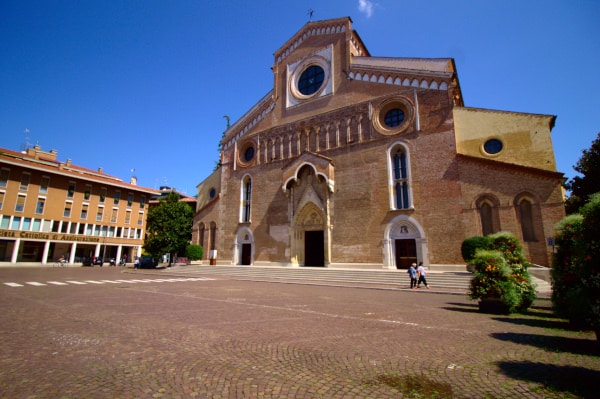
(424, 73)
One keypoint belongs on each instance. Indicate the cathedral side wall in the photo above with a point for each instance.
(507, 185)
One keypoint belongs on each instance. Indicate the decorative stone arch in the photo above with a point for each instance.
(322, 167)
(243, 247)
(403, 227)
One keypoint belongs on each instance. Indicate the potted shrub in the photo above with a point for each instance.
(501, 281)
(490, 284)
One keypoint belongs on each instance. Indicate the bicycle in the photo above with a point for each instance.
(60, 263)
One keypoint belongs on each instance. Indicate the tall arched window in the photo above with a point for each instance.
(487, 221)
(246, 199)
(399, 178)
(213, 236)
(487, 207)
(201, 235)
(526, 216)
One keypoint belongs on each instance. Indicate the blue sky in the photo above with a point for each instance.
(144, 84)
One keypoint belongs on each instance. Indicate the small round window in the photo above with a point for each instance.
(311, 79)
(394, 117)
(249, 154)
(492, 146)
(212, 193)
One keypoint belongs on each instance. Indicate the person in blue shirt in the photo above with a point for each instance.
(412, 272)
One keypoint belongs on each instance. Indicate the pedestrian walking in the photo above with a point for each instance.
(412, 272)
(421, 273)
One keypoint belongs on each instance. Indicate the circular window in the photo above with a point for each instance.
(493, 146)
(311, 80)
(212, 193)
(394, 117)
(249, 154)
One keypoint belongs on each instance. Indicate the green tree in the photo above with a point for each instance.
(169, 227)
(582, 187)
(576, 271)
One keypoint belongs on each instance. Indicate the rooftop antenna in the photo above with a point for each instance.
(133, 177)
(25, 146)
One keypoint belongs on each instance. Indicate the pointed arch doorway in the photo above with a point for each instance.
(309, 238)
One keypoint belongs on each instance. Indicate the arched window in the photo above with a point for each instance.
(487, 207)
(526, 216)
(246, 199)
(213, 236)
(201, 235)
(399, 178)
(487, 220)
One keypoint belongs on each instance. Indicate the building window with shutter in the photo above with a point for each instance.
(20, 205)
(39, 209)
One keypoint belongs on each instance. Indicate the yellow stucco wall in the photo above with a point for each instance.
(212, 181)
(525, 137)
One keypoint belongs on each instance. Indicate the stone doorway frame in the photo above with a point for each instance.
(403, 227)
(243, 236)
(310, 218)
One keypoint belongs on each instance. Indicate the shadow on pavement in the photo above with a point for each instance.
(537, 322)
(577, 346)
(574, 380)
(462, 307)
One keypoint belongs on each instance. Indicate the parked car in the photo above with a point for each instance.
(92, 261)
(147, 262)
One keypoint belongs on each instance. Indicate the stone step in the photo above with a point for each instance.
(455, 280)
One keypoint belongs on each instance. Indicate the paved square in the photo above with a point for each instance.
(225, 338)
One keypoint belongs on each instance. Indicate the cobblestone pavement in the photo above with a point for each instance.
(225, 338)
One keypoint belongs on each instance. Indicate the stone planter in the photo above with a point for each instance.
(493, 305)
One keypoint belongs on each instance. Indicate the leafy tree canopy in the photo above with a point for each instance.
(169, 226)
(582, 187)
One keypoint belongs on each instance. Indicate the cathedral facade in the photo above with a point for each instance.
(353, 160)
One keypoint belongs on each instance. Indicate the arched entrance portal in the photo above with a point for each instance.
(309, 239)
(244, 247)
(308, 184)
(404, 243)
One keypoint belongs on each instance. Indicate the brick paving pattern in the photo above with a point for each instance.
(226, 338)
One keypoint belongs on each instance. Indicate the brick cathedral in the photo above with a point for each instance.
(354, 160)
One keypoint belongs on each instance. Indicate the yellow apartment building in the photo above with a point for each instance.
(50, 209)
